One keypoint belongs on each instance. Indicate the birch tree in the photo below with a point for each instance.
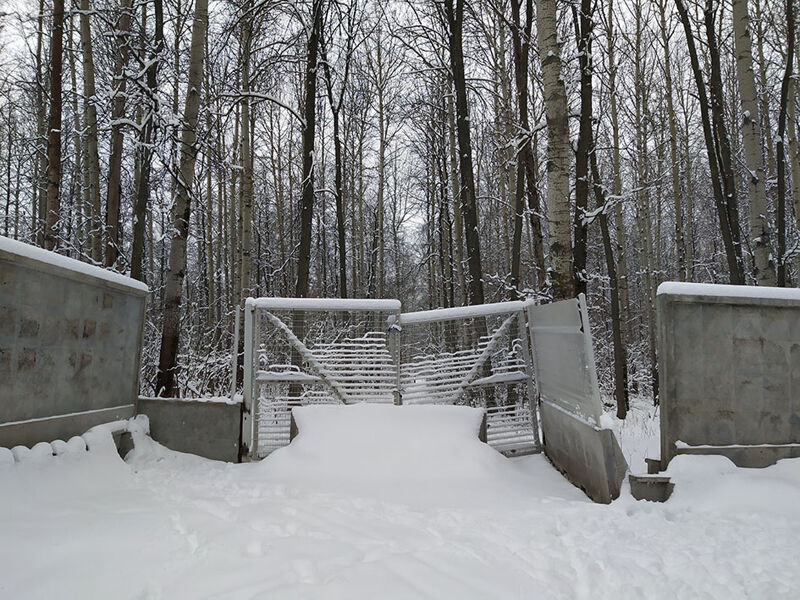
(763, 265)
(558, 151)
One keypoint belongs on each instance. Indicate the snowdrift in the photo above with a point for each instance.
(417, 453)
(456, 520)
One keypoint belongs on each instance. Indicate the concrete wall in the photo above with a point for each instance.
(729, 370)
(208, 429)
(70, 345)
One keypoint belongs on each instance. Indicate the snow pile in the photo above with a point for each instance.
(76, 524)
(97, 439)
(414, 454)
(714, 483)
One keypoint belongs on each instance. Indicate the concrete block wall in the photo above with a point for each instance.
(209, 429)
(729, 364)
(70, 345)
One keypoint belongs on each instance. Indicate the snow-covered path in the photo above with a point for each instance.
(171, 526)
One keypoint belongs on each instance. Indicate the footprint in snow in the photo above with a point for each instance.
(305, 571)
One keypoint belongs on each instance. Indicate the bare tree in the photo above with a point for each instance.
(764, 267)
(165, 382)
(114, 194)
(454, 14)
(558, 202)
(309, 126)
(53, 206)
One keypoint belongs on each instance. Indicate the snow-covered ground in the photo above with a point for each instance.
(639, 435)
(357, 507)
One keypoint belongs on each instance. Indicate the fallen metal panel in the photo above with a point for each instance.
(588, 456)
(563, 357)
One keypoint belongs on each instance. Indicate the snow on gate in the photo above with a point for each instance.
(319, 351)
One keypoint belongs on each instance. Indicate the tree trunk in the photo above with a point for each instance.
(558, 151)
(780, 149)
(794, 147)
(458, 224)
(680, 240)
(525, 162)
(91, 161)
(620, 351)
(76, 207)
(147, 137)
(722, 140)
(619, 217)
(380, 209)
(727, 227)
(39, 207)
(583, 32)
(455, 19)
(113, 196)
(165, 381)
(246, 189)
(336, 106)
(307, 200)
(764, 267)
(53, 206)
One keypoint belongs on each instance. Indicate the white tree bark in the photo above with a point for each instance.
(764, 267)
(558, 152)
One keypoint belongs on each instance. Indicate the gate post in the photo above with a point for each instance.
(250, 403)
(533, 398)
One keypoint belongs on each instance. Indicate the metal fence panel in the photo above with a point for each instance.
(475, 355)
(309, 351)
(563, 357)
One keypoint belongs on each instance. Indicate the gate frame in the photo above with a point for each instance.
(295, 304)
(510, 308)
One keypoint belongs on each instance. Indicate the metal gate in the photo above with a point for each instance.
(310, 351)
(476, 355)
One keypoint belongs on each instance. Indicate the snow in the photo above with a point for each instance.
(322, 518)
(677, 288)
(774, 490)
(337, 446)
(639, 435)
(684, 446)
(64, 262)
(461, 312)
(121, 407)
(236, 399)
(323, 304)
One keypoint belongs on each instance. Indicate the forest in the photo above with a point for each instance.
(443, 152)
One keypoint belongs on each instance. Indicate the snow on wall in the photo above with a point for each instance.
(57, 260)
(679, 288)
